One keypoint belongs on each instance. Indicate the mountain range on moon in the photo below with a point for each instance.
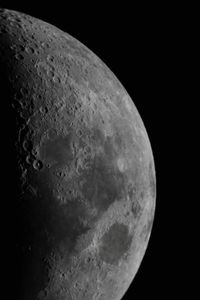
(83, 171)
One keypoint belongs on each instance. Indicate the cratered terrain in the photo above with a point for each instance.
(81, 167)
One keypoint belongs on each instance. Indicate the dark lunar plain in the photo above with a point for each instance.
(132, 81)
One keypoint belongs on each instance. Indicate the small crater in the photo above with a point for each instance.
(21, 48)
(29, 159)
(30, 50)
(19, 56)
(43, 110)
(27, 145)
(18, 20)
(50, 58)
(56, 79)
(37, 165)
(52, 134)
(136, 208)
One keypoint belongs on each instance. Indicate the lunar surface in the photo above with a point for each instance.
(81, 167)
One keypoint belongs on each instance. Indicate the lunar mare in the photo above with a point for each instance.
(82, 167)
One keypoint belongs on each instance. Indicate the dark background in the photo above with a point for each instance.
(139, 46)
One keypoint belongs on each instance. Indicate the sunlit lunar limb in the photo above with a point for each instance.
(83, 175)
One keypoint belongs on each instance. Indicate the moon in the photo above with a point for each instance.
(82, 167)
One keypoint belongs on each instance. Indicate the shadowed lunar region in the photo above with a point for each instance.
(82, 167)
